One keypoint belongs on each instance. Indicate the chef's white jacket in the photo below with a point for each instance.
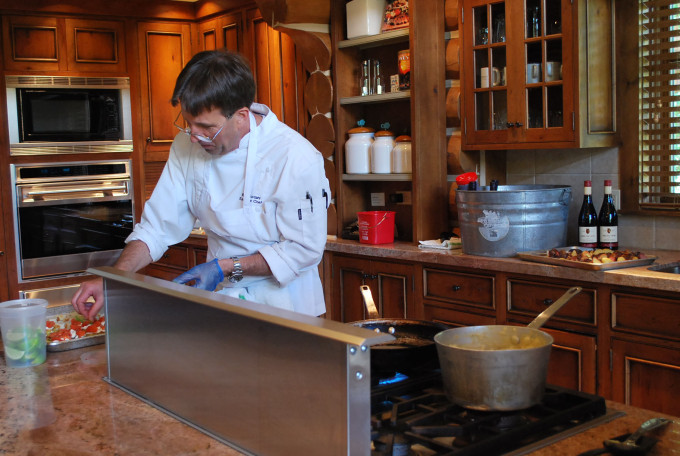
(284, 217)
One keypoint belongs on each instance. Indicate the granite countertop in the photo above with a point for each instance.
(63, 407)
(639, 277)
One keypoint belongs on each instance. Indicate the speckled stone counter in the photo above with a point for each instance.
(639, 276)
(63, 407)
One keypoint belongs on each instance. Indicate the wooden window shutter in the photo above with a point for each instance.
(659, 97)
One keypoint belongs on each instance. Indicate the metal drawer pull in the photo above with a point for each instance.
(456, 288)
(73, 190)
(547, 301)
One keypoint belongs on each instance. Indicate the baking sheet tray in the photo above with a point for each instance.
(541, 256)
(63, 345)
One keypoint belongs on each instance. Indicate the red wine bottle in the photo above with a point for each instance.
(608, 220)
(587, 219)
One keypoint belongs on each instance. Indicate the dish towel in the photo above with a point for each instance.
(447, 244)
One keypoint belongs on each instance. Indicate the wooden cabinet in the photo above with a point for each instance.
(645, 350)
(537, 73)
(528, 298)
(178, 259)
(573, 361)
(223, 32)
(418, 112)
(392, 286)
(35, 43)
(459, 288)
(458, 298)
(164, 49)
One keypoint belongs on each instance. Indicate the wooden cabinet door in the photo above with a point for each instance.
(33, 43)
(646, 375)
(95, 46)
(278, 73)
(164, 49)
(391, 286)
(573, 361)
(223, 32)
(518, 81)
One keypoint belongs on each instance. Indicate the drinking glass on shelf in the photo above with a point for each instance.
(377, 78)
(499, 30)
(483, 35)
(365, 78)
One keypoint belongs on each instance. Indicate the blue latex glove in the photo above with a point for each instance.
(206, 276)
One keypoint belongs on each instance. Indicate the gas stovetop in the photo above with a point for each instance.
(412, 416)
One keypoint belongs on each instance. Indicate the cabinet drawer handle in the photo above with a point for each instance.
(456, 288)
(368, 276)
(547, 301)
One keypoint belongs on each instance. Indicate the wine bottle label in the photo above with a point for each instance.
(608, 234)
(587, 235)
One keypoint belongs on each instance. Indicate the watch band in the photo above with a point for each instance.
(237, 274)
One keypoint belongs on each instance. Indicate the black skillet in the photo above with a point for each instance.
(413, 347)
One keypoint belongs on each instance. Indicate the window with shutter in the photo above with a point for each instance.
(659, 104)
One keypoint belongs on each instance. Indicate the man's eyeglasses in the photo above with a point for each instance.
(201, 138)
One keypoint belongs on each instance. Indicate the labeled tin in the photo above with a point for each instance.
(404, 58)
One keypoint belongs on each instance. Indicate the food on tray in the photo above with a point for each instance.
(73, 326)
(596, 256)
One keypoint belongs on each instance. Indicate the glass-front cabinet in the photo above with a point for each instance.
(519, 72)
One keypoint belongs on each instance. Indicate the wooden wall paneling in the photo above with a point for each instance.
(208, 35)
(164, 50)
(289, 87)
(33, 43)
(97, 46)
(231, 31)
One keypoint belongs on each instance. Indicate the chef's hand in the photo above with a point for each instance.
(90, 289)
(206, 276)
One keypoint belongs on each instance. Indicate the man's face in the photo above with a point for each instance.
(226, 133)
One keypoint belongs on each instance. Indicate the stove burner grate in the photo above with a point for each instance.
(414, 417)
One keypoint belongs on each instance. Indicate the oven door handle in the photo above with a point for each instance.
(74, 190)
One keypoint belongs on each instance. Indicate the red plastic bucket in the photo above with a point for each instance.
(376, 227)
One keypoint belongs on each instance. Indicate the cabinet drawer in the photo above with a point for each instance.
(532, 298)
(175, 256)
(651, 315)
(454, 318)
(458, 287)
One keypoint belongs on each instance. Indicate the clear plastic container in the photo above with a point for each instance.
(22, 322)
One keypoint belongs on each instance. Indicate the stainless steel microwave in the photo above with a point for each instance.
(67, 114)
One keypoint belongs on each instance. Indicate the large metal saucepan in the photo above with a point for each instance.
(413, 347)
(497, 367)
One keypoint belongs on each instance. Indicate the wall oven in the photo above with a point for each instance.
(70, 216)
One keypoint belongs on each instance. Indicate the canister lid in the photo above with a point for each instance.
(403, 138)
(355, 130)
(383, 134)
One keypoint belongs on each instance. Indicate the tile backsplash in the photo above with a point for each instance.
(572, 167)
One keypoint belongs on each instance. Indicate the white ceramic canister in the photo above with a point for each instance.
(381, 152)
(401, 155)
(358, 150)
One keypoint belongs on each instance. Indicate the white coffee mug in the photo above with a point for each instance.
(495, 77)
(504, 76)
(553, 71)
(533, 73)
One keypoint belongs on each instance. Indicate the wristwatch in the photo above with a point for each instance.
(237, 274)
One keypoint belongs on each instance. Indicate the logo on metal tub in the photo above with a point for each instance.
(495, 226)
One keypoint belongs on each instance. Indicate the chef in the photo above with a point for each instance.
(257, 187)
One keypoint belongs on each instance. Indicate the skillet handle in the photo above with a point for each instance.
(369, 303)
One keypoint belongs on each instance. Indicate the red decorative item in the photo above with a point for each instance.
(396, 15)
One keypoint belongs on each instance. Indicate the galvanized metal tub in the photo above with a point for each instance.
(516, 218)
